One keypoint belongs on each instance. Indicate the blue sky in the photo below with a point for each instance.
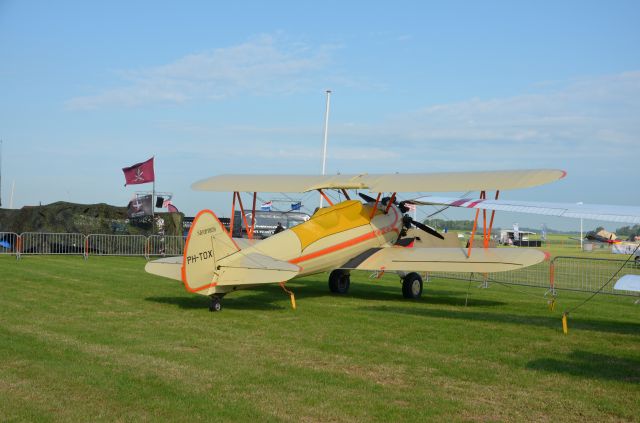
(87, 88)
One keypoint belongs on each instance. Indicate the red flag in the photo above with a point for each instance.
(139, 173)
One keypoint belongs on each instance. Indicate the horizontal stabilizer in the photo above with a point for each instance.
(169, 267)
(254, 268)
(482, 260)
(629, 214)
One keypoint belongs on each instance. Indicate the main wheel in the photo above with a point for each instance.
(216, 304)
(339, 281)
(412, 286)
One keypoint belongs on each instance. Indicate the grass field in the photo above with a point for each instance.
(103, 341)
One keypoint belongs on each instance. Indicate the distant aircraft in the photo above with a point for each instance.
(603, 237)
(347, 236)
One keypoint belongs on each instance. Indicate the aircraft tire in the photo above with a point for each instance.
(216, 304)
(412, 286)
(339, 282)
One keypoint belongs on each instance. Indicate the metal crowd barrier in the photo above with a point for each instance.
(588, 274)
(165, 245)
(9, 243)
(536, 276)
(51, 243)
(116, 245)
(585, 274)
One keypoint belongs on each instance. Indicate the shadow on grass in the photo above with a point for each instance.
(591, 365)
(373, 292)
(264, 297)
(542, 321)
(202, 303)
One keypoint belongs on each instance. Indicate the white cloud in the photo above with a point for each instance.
(261, 66)
(584, 118)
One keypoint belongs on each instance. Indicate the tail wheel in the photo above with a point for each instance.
(216, 303)
(339, 282)
(412, 286)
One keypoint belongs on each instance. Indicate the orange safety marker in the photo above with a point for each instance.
(565, 328)
(291, 296)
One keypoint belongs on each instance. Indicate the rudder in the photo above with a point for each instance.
(207, 243)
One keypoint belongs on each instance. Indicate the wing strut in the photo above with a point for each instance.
(475, 226)
(244, 217)
(253, 215)
(486, 231)
(493, 213)
(390, 202)
(375, 206)
(233, 214)
(325, 197)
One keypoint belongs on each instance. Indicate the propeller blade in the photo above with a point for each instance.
(427, 229)
(366, 198)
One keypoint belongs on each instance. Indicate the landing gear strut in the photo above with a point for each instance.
(339, 281)
(412, 286)
(216, 302)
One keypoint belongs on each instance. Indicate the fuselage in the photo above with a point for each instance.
(333, 236)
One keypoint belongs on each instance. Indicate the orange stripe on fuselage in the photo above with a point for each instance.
(349, 243)
(333, 248)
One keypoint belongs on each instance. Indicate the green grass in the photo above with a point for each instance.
(103, 341)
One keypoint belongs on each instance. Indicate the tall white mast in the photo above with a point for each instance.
(13, 188)
(0, 173)
(326, 133)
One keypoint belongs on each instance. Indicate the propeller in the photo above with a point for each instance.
(406, 219)
(366, 198)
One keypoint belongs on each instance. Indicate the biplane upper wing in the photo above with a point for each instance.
(482, 260)
(628, 214)
(409, 182)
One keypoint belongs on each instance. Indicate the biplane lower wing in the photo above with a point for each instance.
(628, 214)
(482, 260)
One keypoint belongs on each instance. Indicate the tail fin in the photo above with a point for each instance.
(207, 243)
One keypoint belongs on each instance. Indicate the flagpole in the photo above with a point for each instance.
(153, 197)
(326, 132)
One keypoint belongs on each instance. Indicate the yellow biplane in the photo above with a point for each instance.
(350, 235)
